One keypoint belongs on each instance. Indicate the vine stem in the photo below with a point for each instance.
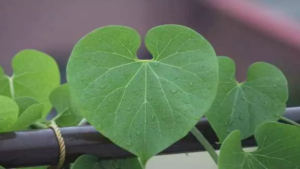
(83, 122)
(289, 121)
(143, 164)
(205, 144)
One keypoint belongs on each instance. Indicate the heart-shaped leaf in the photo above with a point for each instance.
(9, 111)
(35, 75)
(143, 106)
(32, 114)
(67, 113)
(24, 103)
(278, 148)
(90, 161)
(243, 106)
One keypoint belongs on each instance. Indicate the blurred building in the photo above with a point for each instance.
(243, 30)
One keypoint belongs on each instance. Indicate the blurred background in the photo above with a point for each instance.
(247, 31)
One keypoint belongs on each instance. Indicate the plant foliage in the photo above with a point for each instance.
(144, 106)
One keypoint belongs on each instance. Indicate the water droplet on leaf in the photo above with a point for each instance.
(226, 122)
(229, 130)
(241, 117)
(230, 123)
(225, 88)
(266, 104)
(173, 91)
(129, 144)
(156, 64)
(102, 86)
(191, 83)
(209, 86)
(185, 101)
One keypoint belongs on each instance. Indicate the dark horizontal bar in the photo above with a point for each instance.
(40, 147)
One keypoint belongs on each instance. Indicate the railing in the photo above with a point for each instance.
(40, 147)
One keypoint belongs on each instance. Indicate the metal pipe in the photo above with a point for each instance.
(40, 147)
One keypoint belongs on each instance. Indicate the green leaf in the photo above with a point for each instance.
(24, 103)
(90, 161)
(35, 75)
(30, 111)
(2, 167)
(68, 114)
(29, 116)
(8, 113)
(243, 106)
(143, 106)
(278, 148)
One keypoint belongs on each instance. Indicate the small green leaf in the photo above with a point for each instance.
(60, 98)
(90, 161)
(68, 114)
(68, 118)
(143, 106)
(35, 74)
(2, 167)
(278, 148)
(243, 106)
(29, 116)
(24, 103)
(9, 111)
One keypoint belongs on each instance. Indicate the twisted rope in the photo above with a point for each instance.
(62, 147)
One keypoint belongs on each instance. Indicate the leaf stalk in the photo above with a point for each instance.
(289, 121)
(199, 136)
